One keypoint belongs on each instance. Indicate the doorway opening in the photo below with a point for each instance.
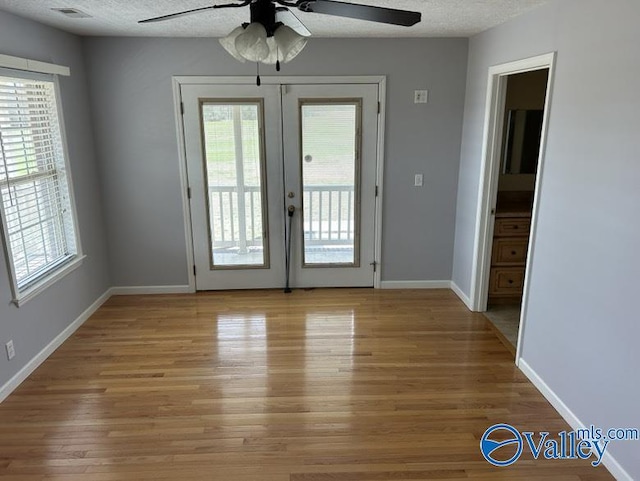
(515, 135)
(521, 135)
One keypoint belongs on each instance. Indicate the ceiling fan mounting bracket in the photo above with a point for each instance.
(264, 12)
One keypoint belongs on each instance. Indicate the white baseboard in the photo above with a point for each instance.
(415, 284)
(33, 364)
(608, 460)
(142, 290)
(463, 297)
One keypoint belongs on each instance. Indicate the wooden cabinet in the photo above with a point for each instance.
(509, 256)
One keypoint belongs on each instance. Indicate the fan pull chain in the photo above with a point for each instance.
(258, 81)
(277, 59)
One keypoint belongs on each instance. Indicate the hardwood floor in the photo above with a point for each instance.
(341, 385)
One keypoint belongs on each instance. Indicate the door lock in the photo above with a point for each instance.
(291, 195)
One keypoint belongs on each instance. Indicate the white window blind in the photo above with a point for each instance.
(39, 230)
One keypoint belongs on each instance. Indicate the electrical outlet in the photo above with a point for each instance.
(421, 96)
(419, 180)
(11, 351)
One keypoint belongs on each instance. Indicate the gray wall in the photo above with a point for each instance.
(35, 324)
(136, 142)
(582, 324)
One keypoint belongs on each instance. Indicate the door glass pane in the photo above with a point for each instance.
(330, 182)
(234, 175)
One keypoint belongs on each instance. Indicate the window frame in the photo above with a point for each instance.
(57, 271)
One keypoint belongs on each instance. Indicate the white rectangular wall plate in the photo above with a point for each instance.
(11, 351)
(421, 96)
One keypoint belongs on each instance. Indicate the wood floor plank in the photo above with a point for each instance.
(319, 385)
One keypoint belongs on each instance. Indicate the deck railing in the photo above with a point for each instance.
(328, 216)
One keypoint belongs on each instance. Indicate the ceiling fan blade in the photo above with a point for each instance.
(287, 17)
(174, 15)
(195, 10)
(392, 16)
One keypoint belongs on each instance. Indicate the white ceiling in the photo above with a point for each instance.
(440, 18)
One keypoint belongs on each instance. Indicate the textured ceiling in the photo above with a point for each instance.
(440, 18)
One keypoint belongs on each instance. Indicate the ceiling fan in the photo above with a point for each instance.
(328, 7)
(275, 34)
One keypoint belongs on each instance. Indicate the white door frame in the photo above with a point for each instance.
(179, 81)
(490, 169)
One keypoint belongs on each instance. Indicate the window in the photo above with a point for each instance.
(38, 220)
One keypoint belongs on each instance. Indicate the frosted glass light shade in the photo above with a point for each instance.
(290, 43)
(272, 58)
(229, 43)
(252, 43)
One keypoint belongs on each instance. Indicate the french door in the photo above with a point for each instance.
(282, 175)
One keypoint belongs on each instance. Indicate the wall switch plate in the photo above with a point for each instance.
(11, 351)
(421, 96)
(419, 180)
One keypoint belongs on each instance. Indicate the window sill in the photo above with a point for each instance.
(32, 291)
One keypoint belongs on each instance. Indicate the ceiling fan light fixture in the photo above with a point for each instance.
(290, 43)
(252, 43)
(269, 40)
(229, 43)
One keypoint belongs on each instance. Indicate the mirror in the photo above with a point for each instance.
(523, 129)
